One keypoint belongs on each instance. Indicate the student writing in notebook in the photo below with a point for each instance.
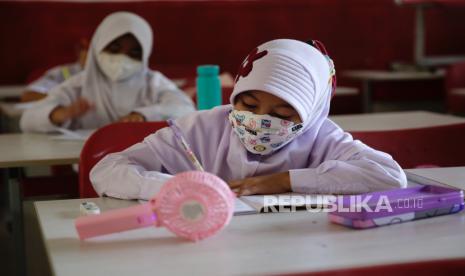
(275, 137)
(116, 84)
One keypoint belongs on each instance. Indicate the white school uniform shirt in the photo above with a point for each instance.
(321, 159)
(54, 77)
(164, 100)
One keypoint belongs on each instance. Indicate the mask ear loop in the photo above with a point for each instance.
(321, 47)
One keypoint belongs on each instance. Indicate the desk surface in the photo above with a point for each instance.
(7, 91)
(253, 244)
(346, 91)
(394, 120)
(376, 75)
(458, 91)
(452, 176)
(26, 149)
(14, 110)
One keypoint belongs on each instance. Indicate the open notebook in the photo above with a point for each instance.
(66, 134)
(446, 177)
(255, 204)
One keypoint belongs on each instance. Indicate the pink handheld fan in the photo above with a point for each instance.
(194, 205)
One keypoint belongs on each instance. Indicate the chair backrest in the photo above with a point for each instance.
(455, 76)
(440, 146)
(111, 138)
(455, 79)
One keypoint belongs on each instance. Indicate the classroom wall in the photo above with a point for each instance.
(359, 34)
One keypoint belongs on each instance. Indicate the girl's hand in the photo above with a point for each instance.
(62, 114)
(133, 117)
(267, 184)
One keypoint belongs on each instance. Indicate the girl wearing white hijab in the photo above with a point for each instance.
(275, 137)
(116, 84)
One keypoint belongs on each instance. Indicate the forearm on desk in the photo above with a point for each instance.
(131, 174)
(367, 172)
(37, 118)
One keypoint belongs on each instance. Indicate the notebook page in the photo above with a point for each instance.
(80, 134)
(240, 207)
(262, 202)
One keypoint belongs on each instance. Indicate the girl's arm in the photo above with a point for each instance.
(38, 119)
(131, 174)
(340, 165)
(346, 166)
(169, 102)
(139, 171)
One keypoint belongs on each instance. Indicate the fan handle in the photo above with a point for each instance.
(138, 216)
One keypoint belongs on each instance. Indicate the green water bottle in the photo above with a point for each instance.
(208, 86)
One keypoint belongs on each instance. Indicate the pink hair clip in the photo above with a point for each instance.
(194, 205)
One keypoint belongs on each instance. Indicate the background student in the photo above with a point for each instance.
(39, 88)
(115, 85)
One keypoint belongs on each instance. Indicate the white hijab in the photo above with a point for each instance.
(293, 71)
(113, 100)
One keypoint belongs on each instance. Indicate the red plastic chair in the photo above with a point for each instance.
(455, 78)
(111, 138)
(439, 146)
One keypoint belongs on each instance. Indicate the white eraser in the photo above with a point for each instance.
(89, 208)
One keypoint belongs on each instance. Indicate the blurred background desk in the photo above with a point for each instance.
(394, 120)
(30, 149)
(368, 77)
(9, 113)
(11, 91)
(21, 150)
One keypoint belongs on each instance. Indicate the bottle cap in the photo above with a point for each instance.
(208, 70)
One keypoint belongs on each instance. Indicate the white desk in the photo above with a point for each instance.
(451, 176)
(458, 91)
(14, 110)
(378, 75)
(29, 149)
(345, 91)
(9, 91)
(369, 76)
(254, 244)
(394, 120)
(21, 150)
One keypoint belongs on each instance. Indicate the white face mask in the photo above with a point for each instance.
(262, 134)
(118, 66)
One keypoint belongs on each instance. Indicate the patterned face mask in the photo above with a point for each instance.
(262, 134)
